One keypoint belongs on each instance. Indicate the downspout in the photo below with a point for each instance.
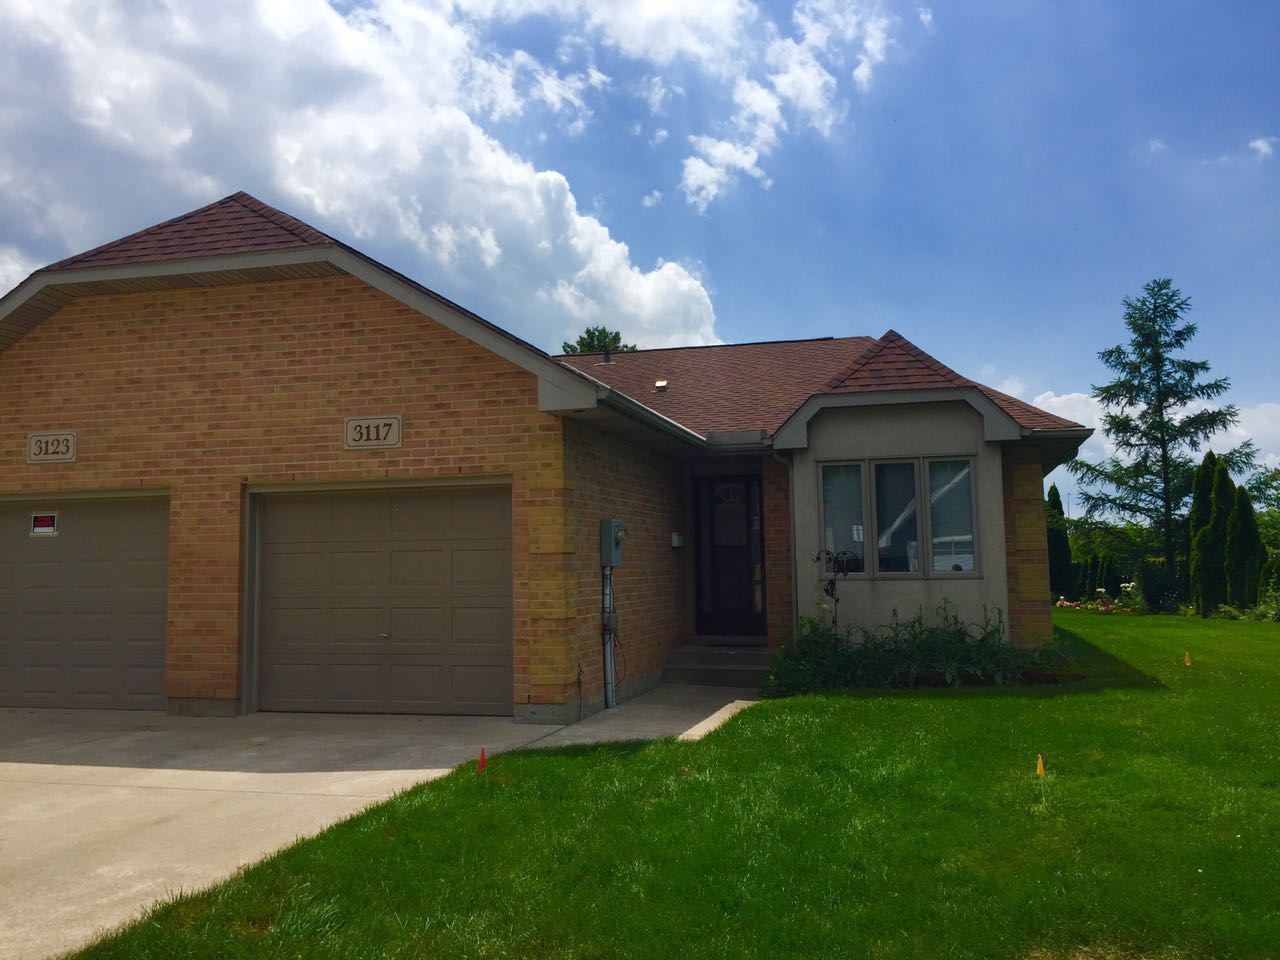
(790, 464)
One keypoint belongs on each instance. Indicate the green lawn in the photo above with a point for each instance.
(904, 824)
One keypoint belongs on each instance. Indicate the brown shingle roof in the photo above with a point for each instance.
(747, 386)
(235, 224)
(757, 386)
(730, 387)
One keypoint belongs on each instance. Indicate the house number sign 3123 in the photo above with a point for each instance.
(362, 433)
(57, 447)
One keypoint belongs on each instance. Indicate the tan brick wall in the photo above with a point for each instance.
(203, 391)
(1026, 549)
(653, 585)
(778, 568)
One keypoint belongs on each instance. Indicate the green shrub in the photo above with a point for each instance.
(902, 653)
(1160, 589)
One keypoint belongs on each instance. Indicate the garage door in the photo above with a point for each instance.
(82, 612)
(388, 602)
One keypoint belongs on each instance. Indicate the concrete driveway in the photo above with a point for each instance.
(104, 812)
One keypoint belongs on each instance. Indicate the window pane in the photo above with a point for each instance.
(897, 539)
(842, 517)
(951, 515)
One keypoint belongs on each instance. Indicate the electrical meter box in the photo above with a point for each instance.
(612, 536)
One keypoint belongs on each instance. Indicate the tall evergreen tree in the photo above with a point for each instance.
(1209, 551)
(1059, 545)
(1244, 552)
(1157, 415)
(1201, 506)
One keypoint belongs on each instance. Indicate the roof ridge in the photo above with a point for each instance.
(119, 241)
(859, 362)
(286, 221)
(929, 360)
(709, 346)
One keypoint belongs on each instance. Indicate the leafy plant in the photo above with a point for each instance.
(901, 653)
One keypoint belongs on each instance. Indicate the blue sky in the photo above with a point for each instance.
(990, 179)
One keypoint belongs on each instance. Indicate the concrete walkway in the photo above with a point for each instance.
(104, 812)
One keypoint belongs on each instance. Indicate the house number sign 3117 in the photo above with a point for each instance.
(363, 433)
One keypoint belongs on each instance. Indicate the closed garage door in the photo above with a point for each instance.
(387, 602)
(82, 612)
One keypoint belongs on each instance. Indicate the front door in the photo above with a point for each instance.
(730, 557)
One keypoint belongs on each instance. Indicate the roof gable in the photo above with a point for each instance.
(235, 224)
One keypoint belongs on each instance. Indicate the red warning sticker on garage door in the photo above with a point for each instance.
(44, 524)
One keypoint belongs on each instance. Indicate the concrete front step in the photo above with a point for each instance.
(694, 654)
(713, 665)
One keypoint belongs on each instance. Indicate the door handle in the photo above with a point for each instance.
(385, 636)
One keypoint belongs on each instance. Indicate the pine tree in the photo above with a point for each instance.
(1156, 415)
(1201, 506)
(1244, 552)
(1209, 551)
(1059, 545)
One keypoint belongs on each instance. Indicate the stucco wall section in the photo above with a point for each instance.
(1026, 545)
(610, 478)
(902, 430)
(204, 391)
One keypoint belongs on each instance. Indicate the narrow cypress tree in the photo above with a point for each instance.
(1243, 553)
(1201, 506)
(1209, 552)
(1059, 545)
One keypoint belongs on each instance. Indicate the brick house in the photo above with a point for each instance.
(247, 467)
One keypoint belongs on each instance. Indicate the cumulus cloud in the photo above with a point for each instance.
(792, 73)
(1259, 422)
(652, 199)
(1263, 147)
(368, 123)
(14, 268)
(926, 17)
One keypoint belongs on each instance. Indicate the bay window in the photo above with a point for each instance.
(917, 513)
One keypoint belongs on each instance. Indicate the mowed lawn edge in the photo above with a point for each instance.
(874, 823)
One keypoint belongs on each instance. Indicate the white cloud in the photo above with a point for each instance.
(797, 72)
(926, 17)
(1156, 146)
(659, 136)
(875, 45)
(1264, 147)
(708, 32)
(651, 199)
(657, 91)
(368, 124)
(14, 268)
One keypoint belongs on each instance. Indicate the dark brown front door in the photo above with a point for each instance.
(730, 557)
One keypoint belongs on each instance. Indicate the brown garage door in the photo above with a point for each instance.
(387, 602)
(82, 613)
